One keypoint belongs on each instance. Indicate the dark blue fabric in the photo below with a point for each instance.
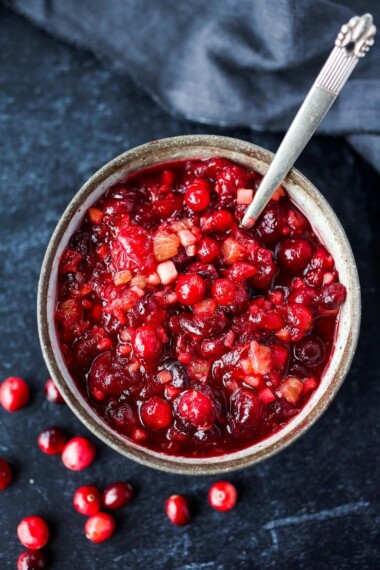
(227, 62)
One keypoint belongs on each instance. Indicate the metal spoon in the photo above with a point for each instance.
(351, 44)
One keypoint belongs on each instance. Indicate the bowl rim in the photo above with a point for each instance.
(180, 147)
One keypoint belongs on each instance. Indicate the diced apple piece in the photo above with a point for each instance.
(167, 272)
(186, 237)
(165, 245)
(244, 196)
(164, 376)
(122, 277)
(191, 250)
(260, 357)
(232, 250)
(154, 279)
(291, 389)
(95, 215)
(266, 395)
(279, 193)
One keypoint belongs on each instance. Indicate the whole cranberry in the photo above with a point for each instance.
(221, 221)
(246, 408)
(222, 496)
(52, 393)
(52, 440)
(197, 408)
(32, 560)
(332, 296)
(14, 394)
(310, 350)
(87, 500)
(33, 532)
(197, 196)
(99, 527)
(117, 495)
(147, 344)
(5, 474)
(208, 250)
(78, 453)
(177, 510)
(190, 289)
(294, 254)
(223, 291)
(156, 413)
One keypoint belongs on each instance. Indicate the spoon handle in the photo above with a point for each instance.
(351, 44)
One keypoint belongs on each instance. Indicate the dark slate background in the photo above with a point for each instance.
(315, 505)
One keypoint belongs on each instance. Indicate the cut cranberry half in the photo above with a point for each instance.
(14, 394)
(177, 510)
(52, 393)
(78, 454)
(5, 474)
(33, 532)
(87, 500)
(99, 527)
(117, 495)
(222, 496)
(32, 560)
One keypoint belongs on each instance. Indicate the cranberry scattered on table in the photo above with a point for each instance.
(14, 394)
(32, 560)
(52, 393)
(99, 527)
(6, 475)
(117, 495)
(52, 440)
(186, 333)
(87, 500)
(33, 532)
(222, 496)
(177, 510)
(78, 453)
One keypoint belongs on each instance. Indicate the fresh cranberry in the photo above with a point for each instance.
(222, 496)
(223, 291)
(52, 440)
(5, 474)
(14, 394)
(78, 454)
(294, 254)
(196, 408)
(99, 527)
(190, 289)
(156, 413)
(87, 500)
(117, 495)
(147, 344)
(33, 532)
(310, 350)
(32, 560)
(177, 510)
(197, 196)
(52, 393)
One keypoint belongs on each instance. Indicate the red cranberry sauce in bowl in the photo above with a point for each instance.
(185, 333)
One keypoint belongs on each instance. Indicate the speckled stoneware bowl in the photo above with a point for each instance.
(324, 223)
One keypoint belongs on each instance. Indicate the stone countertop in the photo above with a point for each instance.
(316, 505)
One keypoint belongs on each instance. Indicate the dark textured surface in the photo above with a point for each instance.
(316, 505)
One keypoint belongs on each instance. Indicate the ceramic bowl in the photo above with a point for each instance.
(324, 223)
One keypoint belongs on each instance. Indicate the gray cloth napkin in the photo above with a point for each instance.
(246, 63)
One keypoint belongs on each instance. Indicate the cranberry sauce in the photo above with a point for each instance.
(187, 334)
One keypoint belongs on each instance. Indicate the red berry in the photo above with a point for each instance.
(33, 532)
(221, 221)
(197, 196)
(32, 560)
(99, 527)
(52, 440)
(147, 344)
(78, 454)
(5, 474)
(156, 413)
(222, 496)
(14, 394)
(190, 289)
(177, 510)
(310, 350)
(117, 495)
(294, 254)
(52, 393)
(208, 250)
(332, 296)
(196, 408)
(87, 500)
(223, 291)
(246, 409)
